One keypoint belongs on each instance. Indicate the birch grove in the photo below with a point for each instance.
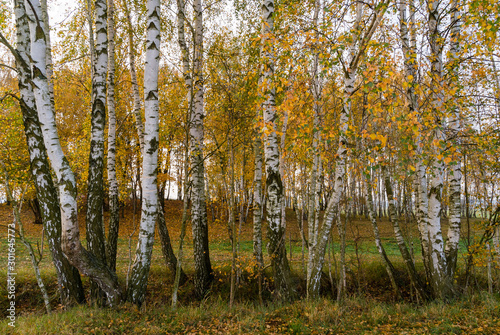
(307, 149)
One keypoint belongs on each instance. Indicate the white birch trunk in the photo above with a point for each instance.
(48, 50)
(111, 164)
(90, 22)
(139, 277)
(451, 250)
(257, 201)
(274, 185)
(71, 245)
(257, 209)
(407, 31)
(314, 187)
(95, 183)
(133, 78)
(140, 270)
(70, 284)
(331, 212)
(439, 281)
(203, 267)
(282, 167)
(186, 67)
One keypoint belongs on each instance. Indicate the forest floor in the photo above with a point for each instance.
(369, 308)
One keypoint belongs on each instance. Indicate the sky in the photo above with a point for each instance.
(59, 11)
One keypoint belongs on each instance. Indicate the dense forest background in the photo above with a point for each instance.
(299, 153)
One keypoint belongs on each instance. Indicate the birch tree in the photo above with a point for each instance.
(274, 184)
(440, 283)
(203, 267)
(68, 277)
(114, 216)
(356, 52)
(83, 260)
(95, 193)
(314, 185)
(166, 245)
(139, 277)
(408, 39)
(133, 78)
(257, 207)
(451, 249)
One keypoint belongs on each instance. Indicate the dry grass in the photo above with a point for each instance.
(370, 308)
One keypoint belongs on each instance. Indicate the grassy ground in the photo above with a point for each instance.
(478, 315)
(370, 307)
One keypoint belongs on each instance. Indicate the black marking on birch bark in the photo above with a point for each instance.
(153, 146)
(274, 180)
(152, 95)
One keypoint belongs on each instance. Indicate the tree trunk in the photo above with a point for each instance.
(114, 205)
(356, 53)
(68, 277)
(451, 250)
(314, 187)
(407, 30)
(133, 78)
(203, 267)
(408, 260)
(48, 50)
(231, 220)
(178, 271)
(85, 261)
(35, 208)
(140, 271)
(166, 246)
(440, 282)
(257, 209)
(274, 185)
(95, 192)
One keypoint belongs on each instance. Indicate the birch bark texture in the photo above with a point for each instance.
(451, 249)
(314, 185)
(203, 268)
(257, 206)
(139, 277)
(78, 256)
(69, 281)
(440, 283)
(95, 184)
(257, 201)
(274, 185)
(407, 31)
(114, 217)
(133, 78)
